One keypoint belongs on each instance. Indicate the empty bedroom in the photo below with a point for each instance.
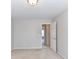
(39, 29)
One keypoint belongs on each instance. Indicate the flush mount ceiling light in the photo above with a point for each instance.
(32, 2)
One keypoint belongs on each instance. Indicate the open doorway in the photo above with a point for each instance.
(49, 36)
(45, 35)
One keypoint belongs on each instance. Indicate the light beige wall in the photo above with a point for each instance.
(62, 34)
(27, 33)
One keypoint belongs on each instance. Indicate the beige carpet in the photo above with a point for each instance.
(44, 53)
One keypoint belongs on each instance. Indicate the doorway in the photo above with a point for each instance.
(45, 35)
(49, 36)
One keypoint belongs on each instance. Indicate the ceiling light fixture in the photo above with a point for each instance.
(32, 2)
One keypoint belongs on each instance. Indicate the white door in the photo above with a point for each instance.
(53, 36)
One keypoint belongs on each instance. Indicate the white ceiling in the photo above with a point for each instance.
(46, 9)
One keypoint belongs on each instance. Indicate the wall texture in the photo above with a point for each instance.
(62, 34)
(27, 33)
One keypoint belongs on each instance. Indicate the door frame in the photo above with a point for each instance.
(51, 35)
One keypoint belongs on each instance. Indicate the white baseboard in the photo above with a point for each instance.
(28, 48)
(66, 58)
(62, 55)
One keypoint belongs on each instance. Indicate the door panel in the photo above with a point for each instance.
(53, 36)
(48, 34)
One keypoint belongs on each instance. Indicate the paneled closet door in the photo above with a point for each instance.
(53, 36)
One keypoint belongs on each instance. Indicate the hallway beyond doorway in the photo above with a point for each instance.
(46, 35)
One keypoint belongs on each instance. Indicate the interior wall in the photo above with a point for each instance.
(27, 33)
(12, 34)
(62, 34)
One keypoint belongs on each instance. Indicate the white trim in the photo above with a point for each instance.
(65, 58)
(29, 48)
(61, 55)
